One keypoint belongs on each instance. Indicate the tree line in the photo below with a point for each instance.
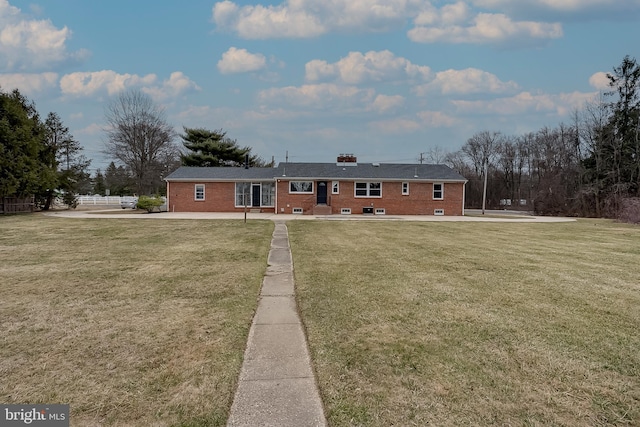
(590, 167)
(38, 158)
(41, 159)
(143, 143)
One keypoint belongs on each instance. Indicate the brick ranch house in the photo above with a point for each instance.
(344, 187)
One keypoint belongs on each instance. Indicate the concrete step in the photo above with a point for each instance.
(322, 210)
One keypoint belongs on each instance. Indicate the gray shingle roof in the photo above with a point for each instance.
(194, 173)
(329, 171)
(382, 171)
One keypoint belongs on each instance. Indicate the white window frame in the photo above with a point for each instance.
(267, 194)
(345, 211)
(240, 194)
(335, 187)
(441, 191)
(369, 188)
(196, 192)
(438, 212)
(292, 190)
(297, 211)
(380, 211)
(405, 188)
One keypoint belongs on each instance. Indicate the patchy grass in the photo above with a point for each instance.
(131, 322)
(454, 324)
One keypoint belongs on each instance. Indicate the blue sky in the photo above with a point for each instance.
(385, 80)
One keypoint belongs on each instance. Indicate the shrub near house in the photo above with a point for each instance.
(150, 204)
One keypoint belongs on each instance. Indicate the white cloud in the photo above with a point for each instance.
(259, 22)
(395, 126)
(321, 96)
(241, 61)
(468, 81)
(32, 44)
(386, 103)
(600, 81)
(526, 103)
(450, 14)
(311, 18)
(560, 5)
(176, 85)
(28, 83)
(90, 83)
(275, 114)
(372, 66)
(92, 129)
(486, 28)
(435, 119)
(464, 21)
(108, 81)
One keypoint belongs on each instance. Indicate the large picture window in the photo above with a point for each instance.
(368, 189)
(243, 194)
(246, 190)
(301, 187)
(268, 193)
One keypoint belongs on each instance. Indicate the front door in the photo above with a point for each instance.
(322, 193)
(255, 196)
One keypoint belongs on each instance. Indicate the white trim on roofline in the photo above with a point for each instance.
(376, 179)
(307, 178)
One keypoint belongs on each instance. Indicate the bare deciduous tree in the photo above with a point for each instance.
(139, 137)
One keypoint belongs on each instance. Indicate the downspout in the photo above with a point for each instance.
(464, 195)
(168, 203)
(276, 196)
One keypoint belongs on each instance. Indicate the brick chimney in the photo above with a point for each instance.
(347, 158)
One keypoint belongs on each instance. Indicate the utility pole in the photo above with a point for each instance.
(421, 158)
(244, 187)
(484, 191)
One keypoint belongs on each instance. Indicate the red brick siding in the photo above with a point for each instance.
(419, 201)
(218, 197)
(287, 201)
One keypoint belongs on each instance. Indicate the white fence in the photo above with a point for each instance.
(103, 200)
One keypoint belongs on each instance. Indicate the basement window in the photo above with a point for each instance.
(345, 211)
(438, 212)
(380, 211)
(297, 210)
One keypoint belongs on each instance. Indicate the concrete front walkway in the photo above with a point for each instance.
(277, 386)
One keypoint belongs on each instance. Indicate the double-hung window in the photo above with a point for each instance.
(368, 189)
(438, 191)
(405, 188)
(243, 194)
(199, 192)
(335, 187)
